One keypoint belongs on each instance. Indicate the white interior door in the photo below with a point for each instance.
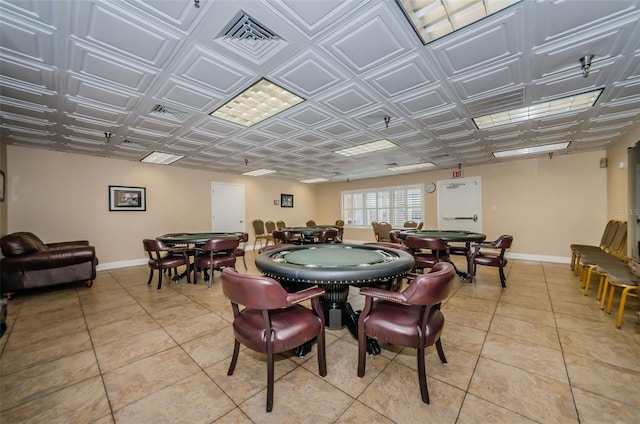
(460, 204)
(227, 207)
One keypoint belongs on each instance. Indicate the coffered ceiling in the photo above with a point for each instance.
(149, 72)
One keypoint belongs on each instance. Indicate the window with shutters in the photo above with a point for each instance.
(394, 205)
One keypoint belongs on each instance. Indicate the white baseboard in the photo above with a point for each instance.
(121, 264)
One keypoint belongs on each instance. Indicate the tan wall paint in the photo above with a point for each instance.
(618, 184)
(541, 202)
(62, 196)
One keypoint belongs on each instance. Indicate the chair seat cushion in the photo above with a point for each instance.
(396, 324)
(291, 327)
(167, 262)
(490, 261)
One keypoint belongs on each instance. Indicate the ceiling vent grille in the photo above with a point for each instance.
(246, 28)
(169, 112)
(496, 103)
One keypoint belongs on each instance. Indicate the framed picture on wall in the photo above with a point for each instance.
(286, 200)
(122, 198)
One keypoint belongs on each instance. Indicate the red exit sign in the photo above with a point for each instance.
(457, 174)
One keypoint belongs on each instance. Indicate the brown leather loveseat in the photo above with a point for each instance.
(29, 263)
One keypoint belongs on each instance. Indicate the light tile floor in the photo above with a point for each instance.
(123, 352)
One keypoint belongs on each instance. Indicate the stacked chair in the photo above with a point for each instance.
(608, 262)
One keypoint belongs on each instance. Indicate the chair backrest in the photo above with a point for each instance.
(222, 244)
(339, 222)
(311, 223)
(619, 242)
(258, 227)
(384, 228)
(503, 242)
(410, 224)
(417, 243)
(282, 236)
(270, 227)
(252, 291)
(606, 234)
(419, 227)
(153, 245)
(395, 236)
(608, 239)
(280, 224)
(328, 235)
(432, 287)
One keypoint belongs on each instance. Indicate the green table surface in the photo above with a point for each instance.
(331, 258)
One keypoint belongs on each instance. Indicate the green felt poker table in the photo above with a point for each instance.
(335, 267)
(198, 239)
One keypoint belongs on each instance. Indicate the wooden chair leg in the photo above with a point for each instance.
(362, 352)
(503, 279)
(443, 358)
(605, 286)
(623, 300)
(422, 376)
(270, 378)
(159, 280)
(234, 357)
(150, 276)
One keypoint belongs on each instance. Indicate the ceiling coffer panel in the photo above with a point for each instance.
(151, 72)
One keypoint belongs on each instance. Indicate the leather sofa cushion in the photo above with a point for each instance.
(21, 243)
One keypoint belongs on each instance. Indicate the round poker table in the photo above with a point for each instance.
(446, 235)
(309, 234)
(335, 267)
(198, 239)
(449, 236)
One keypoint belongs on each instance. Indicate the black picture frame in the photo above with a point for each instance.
(286, 200)
(129, 199)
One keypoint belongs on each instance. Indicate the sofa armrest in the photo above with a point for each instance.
(47, 259)
(68, 244)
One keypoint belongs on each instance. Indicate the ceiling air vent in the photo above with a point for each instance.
(246, 28)
(496, 103)
(169, 112)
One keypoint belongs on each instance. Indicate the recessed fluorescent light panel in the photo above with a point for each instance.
(314, 180)
(411, 167)
(259, 102)
(542, 148)
(539, 110)
(433, 19)
(258, 172)
(366, 148)
(161, 158)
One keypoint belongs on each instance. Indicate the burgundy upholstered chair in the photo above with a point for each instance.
(240, 251)
(329, 235)
(410, 318)
(427, 251)
(491, 253)
(162, 257)
(394, 236)
(216, 253)
(272, 320)
(282, 236)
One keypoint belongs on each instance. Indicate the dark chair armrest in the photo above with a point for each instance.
(391, 296)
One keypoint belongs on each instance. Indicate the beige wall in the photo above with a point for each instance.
(545, 203)
(541, 202)
(617, 187)
(61, 196)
